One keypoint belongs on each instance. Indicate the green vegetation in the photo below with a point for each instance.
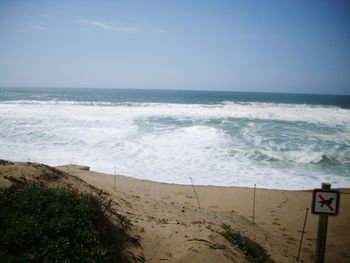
(40, 224)
(253, 251)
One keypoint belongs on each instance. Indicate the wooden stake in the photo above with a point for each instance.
(302, 234)
(115, 177)
(194, 189)
(254, 203)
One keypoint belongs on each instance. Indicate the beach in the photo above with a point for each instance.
(171, 227)
(170, 217)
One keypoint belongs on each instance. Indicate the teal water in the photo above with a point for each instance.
(166, 96)
(285, 141)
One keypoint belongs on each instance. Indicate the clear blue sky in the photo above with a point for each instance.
(274, 46)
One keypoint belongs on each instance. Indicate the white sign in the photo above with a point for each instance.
(325, 202)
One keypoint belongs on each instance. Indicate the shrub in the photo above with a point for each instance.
(253, 251)
(40, 224)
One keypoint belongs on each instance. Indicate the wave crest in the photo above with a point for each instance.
(300, 157)
(331, 116)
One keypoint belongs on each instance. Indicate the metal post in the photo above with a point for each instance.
(302, 234)
(254, 204)
(322, 233)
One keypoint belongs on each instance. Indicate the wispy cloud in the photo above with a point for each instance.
(107, 27)
(38, 28)
(161, 31)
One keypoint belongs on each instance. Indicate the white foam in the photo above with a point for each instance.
(104, 136)
(254, 110)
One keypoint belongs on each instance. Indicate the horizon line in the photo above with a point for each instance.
(180, 89)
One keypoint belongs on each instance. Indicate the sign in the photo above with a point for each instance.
(325, 202)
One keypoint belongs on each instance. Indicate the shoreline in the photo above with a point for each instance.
(344, 190)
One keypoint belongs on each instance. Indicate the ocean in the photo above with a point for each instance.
(273, 140)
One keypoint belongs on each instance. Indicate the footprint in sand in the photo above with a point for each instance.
(275, 221)
(193, 250)
(168, 256)
(290, 241)
(307, 250)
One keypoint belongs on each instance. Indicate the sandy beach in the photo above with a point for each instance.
(172, 228)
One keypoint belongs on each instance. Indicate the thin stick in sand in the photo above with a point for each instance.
(194, 189)
(254, 204)
(302, 234)
(115, 177)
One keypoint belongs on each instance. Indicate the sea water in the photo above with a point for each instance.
(283, 141)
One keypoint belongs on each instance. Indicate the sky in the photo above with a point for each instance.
(299, 46)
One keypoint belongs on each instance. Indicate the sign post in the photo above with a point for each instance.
(325, 202)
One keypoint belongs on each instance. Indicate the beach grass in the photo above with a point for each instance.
(253, 251)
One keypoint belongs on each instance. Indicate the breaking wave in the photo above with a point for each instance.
(274, 145)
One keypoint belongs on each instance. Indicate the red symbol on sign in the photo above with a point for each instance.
(326, 202)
